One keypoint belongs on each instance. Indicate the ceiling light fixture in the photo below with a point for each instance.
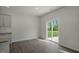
(8, 6)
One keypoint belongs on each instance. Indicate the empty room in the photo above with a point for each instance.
(39, 29)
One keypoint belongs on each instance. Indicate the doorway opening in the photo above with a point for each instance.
(53, 30)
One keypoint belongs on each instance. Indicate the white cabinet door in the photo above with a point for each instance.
(7, 21)
(4, 47)
(1, 20)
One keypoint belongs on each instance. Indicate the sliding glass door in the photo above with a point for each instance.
(53, 30)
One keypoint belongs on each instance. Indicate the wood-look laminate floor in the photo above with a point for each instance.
(34, 46)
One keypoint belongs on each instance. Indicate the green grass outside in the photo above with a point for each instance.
(52, 33)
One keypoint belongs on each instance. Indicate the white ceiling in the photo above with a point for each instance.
(31, 10)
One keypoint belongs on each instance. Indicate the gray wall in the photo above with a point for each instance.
(69, 26)
(24, 27)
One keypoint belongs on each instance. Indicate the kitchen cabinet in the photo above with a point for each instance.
(5, 40)
(1, 20)
(5, 33)
(5, 21)
(4, 47)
